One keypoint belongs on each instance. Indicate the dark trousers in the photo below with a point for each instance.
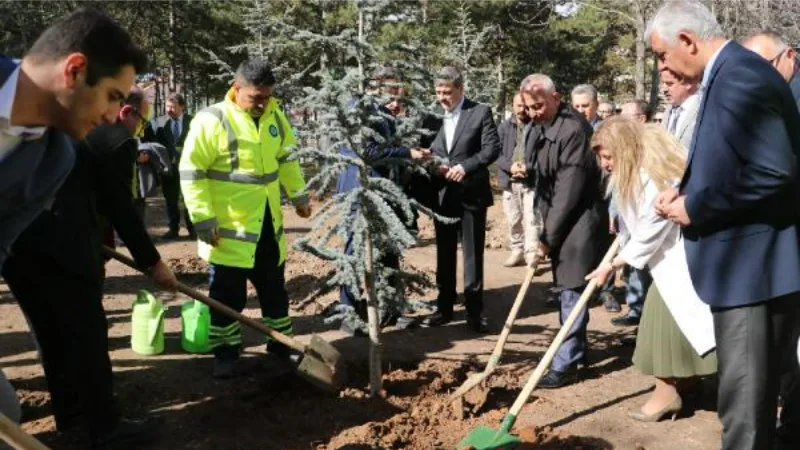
(472, 228)
(573, 349)
(67, 317)
(171, 188)
(756, 344)
(346, 297)
(229, 286)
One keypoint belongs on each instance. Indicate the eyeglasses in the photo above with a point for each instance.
(774, 61)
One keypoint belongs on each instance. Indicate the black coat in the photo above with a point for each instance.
(68, 236)
(507, 131)
(568, 195)
(475, 147)
(160, 130)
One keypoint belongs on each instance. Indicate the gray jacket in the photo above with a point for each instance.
(507, 131)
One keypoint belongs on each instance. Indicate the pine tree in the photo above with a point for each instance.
(464, 49)
(375, 213)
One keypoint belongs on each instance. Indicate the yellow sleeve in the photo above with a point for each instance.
(200, 150)
(290, 173)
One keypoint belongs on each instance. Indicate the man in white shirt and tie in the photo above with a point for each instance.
(684, 100)
(469, 143)
(170, 130)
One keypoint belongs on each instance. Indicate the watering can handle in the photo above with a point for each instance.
(154, 326)
(216, 305)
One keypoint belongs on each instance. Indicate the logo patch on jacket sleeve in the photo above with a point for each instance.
(273, 131)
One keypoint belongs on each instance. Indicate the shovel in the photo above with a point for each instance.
(485, 438)
(321, 363)
(13, 435)
(476, 378)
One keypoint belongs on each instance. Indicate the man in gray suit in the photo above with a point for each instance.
(684, 101)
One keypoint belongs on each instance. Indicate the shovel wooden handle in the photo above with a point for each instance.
(216, 305)
(494, 359)
(536, 376)
(13, 435)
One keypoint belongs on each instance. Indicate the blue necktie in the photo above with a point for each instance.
(176, 130)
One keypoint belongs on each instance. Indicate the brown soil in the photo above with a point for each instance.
(267, 407)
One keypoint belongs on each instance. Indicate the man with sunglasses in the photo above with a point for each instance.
(56, 273)
(772, 47)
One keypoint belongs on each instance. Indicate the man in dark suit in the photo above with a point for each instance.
(737, 204)
(56, 274)
(170, 131)
(568, 196)
(468, 142)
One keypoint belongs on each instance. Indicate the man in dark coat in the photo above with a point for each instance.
(569, 198)
(170, 131)
(468, 141)
(56, 273)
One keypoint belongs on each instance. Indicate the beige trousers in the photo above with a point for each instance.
(524, 224)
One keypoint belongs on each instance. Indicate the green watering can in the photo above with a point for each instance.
(147, 325)
(195, 324)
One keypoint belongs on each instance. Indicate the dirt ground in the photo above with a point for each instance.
(269, 408)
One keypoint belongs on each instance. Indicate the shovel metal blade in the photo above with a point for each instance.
(472, 381)
(322, 366)
(485, 438)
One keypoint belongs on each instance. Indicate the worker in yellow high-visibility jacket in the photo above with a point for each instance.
(235, 158)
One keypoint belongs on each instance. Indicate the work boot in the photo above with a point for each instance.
(556, 379)
(610, 302)
(224, 369)
(516, 258)
(625, 321)
(127, 431)
(170, 235)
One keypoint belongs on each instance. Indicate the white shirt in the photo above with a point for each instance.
(450, 122)
(710, 65)
(11, 136)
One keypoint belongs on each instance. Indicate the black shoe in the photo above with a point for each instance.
(283, 352)
(437, 319)
(553, 302)
(192, 235)
(224, 369)
(628, 341)
(170, 235)
(351, 330)
(478, 324)
(625, 321)
(127, 432)
(610, 303)
(556, 379)
(389, 320)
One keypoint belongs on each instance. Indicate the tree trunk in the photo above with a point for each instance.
(171, 48)
(375, 346)
(641, 57)
(654, 84)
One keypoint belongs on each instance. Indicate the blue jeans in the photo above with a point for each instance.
(637, 283)
(573, 349)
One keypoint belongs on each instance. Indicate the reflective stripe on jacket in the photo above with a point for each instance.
(229, 170)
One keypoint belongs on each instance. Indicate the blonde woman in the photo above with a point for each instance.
(645, 160)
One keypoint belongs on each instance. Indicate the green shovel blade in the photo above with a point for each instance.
(485, 438)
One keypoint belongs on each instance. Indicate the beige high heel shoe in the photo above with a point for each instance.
(672, 408)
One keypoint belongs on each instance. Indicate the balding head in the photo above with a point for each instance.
(774, 48)
(636, 110)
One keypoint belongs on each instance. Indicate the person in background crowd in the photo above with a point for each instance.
(644, 160)
(170, 131)
(585, 101)
(468, 139)
(737, 207)
(772, 47)
(573, 212)
(684, 102)
(518, 193)
(61, 89)
(605, 110)
(637, 109)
